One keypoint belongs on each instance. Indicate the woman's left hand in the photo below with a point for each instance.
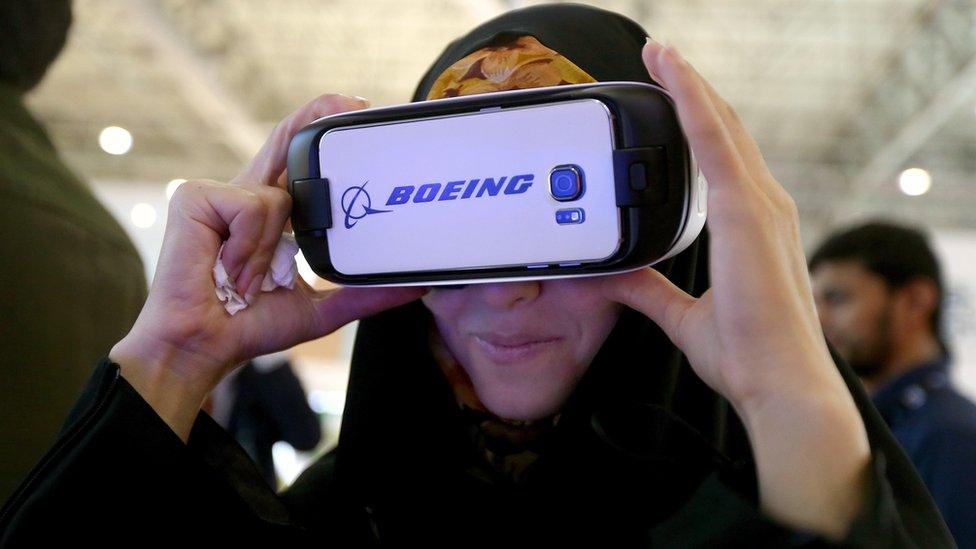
(754, 336)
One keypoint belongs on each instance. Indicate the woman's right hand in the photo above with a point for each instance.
(184, 341)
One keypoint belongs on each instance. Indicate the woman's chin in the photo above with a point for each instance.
(520, 405)
(527, 390)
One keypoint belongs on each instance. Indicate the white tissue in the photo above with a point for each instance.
(281, 273)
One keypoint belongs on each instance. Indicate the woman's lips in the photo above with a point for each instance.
(517, 348)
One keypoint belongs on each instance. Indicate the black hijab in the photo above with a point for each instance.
(637, 436)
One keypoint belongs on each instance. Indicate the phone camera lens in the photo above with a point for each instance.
(566, 183)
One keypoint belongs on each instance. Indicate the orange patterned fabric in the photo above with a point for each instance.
(522, 63)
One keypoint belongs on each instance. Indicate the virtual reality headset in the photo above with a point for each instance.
(554, 182)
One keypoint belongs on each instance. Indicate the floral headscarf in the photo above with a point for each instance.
(518, 64)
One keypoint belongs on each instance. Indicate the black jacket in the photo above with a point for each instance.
(628, 475)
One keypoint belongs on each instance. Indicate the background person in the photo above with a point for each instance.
(880, 295)
(262, 402)
(71, 282)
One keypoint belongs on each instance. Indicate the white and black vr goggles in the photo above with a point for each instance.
(562, 181)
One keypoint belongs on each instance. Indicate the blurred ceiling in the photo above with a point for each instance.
(841, 94)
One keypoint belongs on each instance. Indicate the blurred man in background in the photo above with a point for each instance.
(879, 293)
(71, 282)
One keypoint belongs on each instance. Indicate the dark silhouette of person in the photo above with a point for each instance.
(71, 282)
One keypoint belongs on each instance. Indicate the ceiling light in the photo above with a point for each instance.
(115, 140)
(143, 215)
(915, 181)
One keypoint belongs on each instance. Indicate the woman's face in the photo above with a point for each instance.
(524, 345)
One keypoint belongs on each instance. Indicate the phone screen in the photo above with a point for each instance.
(520, 186)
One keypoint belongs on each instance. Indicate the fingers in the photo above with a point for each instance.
(748, 148)
(260, 218)
(745, 145)
(277, 207)
(270, 162)
(707, 134)
(651, 293)
(229, 212)
(666, 66)
(778, 197)
(265, 177)
(250, 221)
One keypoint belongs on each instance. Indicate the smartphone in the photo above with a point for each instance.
(509, 185)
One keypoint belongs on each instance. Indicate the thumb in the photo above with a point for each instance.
(652, 294)
(336, 307)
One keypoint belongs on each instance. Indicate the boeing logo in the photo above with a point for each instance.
(356, 202)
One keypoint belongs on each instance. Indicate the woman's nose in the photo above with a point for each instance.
(510, 294)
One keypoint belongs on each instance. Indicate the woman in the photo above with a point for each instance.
(521, 412)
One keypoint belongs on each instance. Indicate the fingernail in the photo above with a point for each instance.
(237, 283)
(654, 75)
(660, 53)
(363, 100)
(253, 290)
(236, 272)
